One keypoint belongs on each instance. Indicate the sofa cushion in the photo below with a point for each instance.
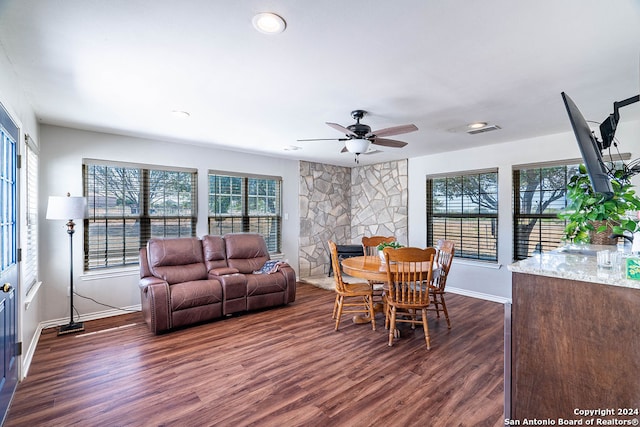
(195, 293)
(176, 260)
(260, 284)
(214, 252)
(246, 251)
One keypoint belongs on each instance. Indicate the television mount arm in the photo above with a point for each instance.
(609, 125)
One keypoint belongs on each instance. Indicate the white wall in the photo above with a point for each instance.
(61, 171)
(485, 279)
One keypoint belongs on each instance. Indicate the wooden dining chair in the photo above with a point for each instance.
(409, 272)
(446, 251)
(370, 244)
(370, 248)
(350, 297)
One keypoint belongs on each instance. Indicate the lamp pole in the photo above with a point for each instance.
(68, 208)
(72, 326)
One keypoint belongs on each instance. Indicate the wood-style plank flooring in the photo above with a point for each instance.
(279, 367)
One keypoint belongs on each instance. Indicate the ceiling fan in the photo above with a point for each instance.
(359, 137)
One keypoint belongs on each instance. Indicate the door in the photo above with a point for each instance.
(8, 261)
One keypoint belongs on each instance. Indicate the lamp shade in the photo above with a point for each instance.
(66, 207)
(357, 145)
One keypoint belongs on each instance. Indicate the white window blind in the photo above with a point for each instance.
(30, 260)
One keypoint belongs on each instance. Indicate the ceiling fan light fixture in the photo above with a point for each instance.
(268, 23)
(357, 145)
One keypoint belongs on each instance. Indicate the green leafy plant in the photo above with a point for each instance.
(394, 245)
(586, 207)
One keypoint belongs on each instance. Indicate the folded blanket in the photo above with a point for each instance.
(269, 267)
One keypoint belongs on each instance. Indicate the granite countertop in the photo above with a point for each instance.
(575, 263)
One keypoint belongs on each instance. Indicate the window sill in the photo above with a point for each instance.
(110, 273)
(481, 264)
(32, 294)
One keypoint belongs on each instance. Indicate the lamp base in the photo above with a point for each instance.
(71, 328)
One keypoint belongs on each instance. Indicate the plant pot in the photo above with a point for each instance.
(602, 238)
(381, 255)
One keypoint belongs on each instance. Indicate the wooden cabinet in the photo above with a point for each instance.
(574, 345)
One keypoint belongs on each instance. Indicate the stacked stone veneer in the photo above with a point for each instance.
(343, 204)
(379, 197)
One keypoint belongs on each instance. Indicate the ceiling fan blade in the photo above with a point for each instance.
(394, 130)
(322, 139)
(341, 128)
(388, 142)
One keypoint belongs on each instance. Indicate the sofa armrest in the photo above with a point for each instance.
(222, 271)
(290, 276)
(156, 304)
(149, 280)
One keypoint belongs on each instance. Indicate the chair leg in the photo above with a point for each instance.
(387, 315)
(335, 307)
(339, 314)
(444, 310)
(392, 327)
(371, 312)
(425, 325)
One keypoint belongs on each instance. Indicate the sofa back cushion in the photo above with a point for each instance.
(176, 260)
(246, 251)
(214, 252)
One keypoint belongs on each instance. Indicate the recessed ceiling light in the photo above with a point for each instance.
(476, 125)
(291, 148)
(268, 23)
(181, 114)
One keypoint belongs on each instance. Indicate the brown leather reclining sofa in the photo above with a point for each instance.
(190, 280)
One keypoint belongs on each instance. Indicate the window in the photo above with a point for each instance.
(30, 264)
(464, 208)
(539, 194)
(128, 204)
(246, 204)
(8, 223)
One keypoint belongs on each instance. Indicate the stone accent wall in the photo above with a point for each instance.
(379, 197)
(325, 214)
(343, 204)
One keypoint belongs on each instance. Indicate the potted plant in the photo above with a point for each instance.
(381, 246)
(590, 216)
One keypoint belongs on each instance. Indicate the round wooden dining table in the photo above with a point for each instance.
(367, 267)
(371, 267)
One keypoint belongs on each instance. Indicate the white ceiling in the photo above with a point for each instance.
(122, 66)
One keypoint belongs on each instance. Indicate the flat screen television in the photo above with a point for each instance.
(590, 149)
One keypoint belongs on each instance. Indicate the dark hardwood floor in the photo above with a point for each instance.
(278, 367)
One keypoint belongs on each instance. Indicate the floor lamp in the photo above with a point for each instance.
(68, 208)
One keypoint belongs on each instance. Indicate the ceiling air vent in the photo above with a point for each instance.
(483, 130)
